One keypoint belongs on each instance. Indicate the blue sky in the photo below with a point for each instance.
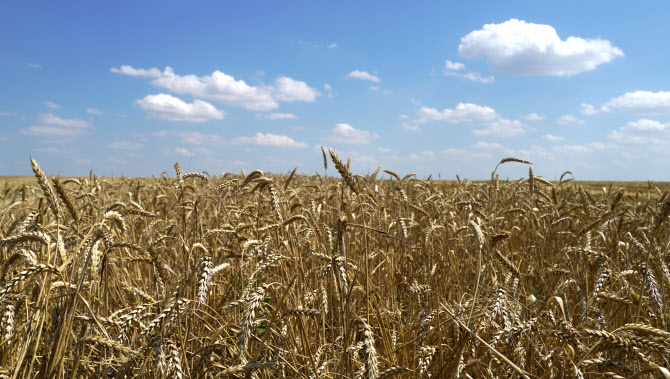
(441, 88)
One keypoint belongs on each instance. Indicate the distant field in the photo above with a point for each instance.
(597, 188)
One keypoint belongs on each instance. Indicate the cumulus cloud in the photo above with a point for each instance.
(534, 117)
(519, 48)
(363, 75)
(641, 102)
(288, 90)
(272, 140)
(94, 111)
(345, 133)
(168, 107)
(223, 88)
(52, 105)
(568, 119)
(463, 112)
(502, 127)
(457, 69)
(552, 138)
(126, 145)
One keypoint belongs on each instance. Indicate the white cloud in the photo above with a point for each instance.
(289, 90)
(167, 107)
(126, 145)
(375, 88)
(585, 148)
(128, 70)
(457, 69)
(52, 105)
(476, 77)
(453, 151)
(568, 119)
(345, 133)
(489, 146)
(117, 161)
(327, 87)
(332, 45)
(54, 126)
(641, 102)
(412, 127)
(383, 150)
(588, 109)
(642, 132)
(94, 111)
(34, 65)
(223, 88)
(520, 48)
(362, 75)
(278, 116)
(425, 155)
(463, 112)
(42, 130)
(183, 151)
(502, 127)
(552, 138)
(454, 66)
(272, 140)
(534, 117)
(51, 119)
(7, 114)
(192, 137)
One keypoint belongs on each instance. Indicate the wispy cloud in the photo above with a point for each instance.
(347, 134)
(568, 119)
(94, 111)
(52, 105)
(458, 70)
(51, 119)
(552, 138)
(126, 145)
(534, 117)
(502, 128)
(270, 140)
(363, 75)
(34, 65)
(278, 116)
(54, 126)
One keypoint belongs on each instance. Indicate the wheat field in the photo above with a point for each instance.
(331, 276)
